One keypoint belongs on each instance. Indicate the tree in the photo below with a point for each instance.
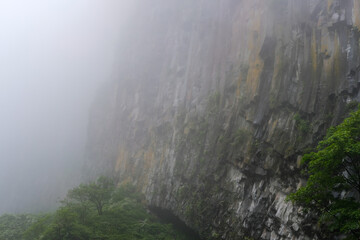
(96, 194)
(77, 199)
(333, 187)
(66, 227)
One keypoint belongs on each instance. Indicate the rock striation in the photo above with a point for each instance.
(213, 104)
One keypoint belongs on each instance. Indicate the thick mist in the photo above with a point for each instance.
(54, 55)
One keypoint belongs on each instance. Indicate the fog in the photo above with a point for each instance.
(54, 55)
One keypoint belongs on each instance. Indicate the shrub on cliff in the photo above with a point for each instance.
(333, 187)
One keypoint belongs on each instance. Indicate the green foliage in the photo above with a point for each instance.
(333, 185)
(302, 125)
(123, 216)
(65, 226)
(248, 238)
(13, 226)
(36, 230)
(351, 106)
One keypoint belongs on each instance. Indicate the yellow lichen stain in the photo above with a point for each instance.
(327, 65)
(121, 159)
(356, 14)
(138, 167)
(329, 4)
(186, 130)
(256, 64)
(275, 123)
(272, 129)
(149, 157)
(324, 41)
(255, 69)
(314, 52)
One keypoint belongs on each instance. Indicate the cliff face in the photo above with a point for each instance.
(215, 101)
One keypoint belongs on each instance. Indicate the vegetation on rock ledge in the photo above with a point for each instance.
(333, 187)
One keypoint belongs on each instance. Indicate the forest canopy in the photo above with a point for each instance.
(96, 210)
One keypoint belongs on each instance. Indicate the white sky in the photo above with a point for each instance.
(54, 54)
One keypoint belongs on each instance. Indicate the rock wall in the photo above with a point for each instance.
(214, 102)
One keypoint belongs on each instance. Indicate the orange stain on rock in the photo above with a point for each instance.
(256, 64)
(356, 14)
(121, 159)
